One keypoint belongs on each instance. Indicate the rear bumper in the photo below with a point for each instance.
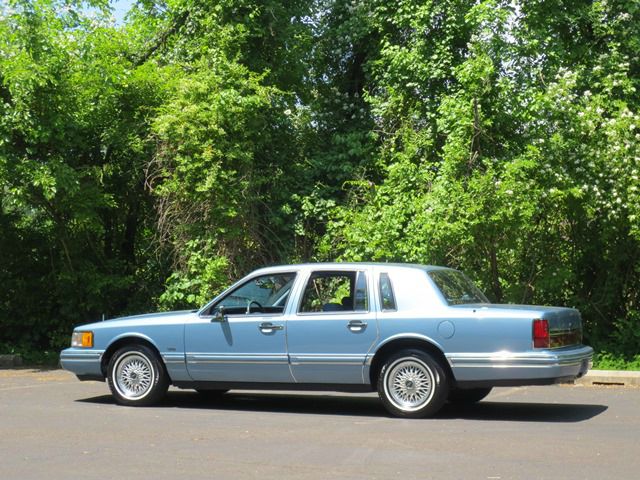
(528, 368)
(84, 363)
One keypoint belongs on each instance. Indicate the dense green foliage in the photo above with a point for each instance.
(148, 164)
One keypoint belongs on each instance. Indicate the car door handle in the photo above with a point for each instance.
(268, 327)
(356, 325)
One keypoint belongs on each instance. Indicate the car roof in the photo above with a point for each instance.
(347, 265)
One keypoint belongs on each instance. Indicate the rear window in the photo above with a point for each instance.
(456, 288)
(387, 299)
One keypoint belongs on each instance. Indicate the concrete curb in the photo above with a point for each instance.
(610, 377)
(9, 361)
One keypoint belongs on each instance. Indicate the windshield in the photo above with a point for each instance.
(456, 288)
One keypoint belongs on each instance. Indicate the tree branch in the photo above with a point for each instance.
(162, 38)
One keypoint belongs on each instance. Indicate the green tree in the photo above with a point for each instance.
(150, 164)
(74, 137)
(519, 164)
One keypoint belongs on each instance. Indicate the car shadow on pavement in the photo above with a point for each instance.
(368, 405)
(523, 412)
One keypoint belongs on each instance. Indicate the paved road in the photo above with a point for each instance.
(52, 426)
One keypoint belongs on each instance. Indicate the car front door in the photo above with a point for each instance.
(333, 328)
(242, 337)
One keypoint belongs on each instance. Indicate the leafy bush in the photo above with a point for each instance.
(148, 165)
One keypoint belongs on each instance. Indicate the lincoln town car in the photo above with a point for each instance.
(417, 335)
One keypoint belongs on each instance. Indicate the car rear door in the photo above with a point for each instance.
(332, 327)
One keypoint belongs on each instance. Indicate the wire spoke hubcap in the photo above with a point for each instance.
(134, 375)
(409, 384)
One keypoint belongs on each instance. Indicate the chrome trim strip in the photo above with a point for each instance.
(81, 356)
(257, 358)
(237, 362)
(173, 357)
(174, 361)
(328, 359)
(78, 360)
(520, 360)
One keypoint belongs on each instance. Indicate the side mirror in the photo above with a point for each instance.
(220, 315)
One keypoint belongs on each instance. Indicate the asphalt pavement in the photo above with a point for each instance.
(53, 426)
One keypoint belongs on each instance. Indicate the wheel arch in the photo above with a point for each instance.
(124, 340)
(394, 345)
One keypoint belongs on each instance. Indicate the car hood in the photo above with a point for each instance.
(146, 319)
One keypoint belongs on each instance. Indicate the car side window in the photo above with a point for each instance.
(264, 294)
(335, 292)
(387, 299)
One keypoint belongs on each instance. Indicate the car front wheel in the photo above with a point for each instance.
(412, 384)
(136, 376)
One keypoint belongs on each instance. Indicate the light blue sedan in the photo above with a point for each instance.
(418, 335)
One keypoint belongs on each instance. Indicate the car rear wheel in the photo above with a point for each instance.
(137, 376)
(412, 384)
(468, 396)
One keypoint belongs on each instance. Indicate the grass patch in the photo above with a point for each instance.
(32, 357)
(613, 361)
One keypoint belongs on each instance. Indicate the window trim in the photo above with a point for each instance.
(216, 301)
(343, 273)
(393, 295)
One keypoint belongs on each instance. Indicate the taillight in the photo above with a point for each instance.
(541, 334)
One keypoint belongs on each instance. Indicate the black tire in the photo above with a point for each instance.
(468, 396)
(412, 384)
(136, 376)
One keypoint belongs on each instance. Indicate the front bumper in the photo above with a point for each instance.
(528, 368)
(85, 363)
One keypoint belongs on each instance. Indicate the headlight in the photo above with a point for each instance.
(82, 339)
